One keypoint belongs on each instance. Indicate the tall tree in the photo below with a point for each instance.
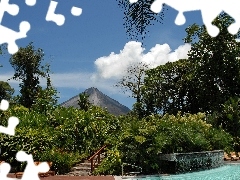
(203, 82)
(217, 66)
(132, 82)
(167, 88)
(27, 63)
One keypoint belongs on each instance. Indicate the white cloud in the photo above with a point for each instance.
(115, 65)
(112, 67)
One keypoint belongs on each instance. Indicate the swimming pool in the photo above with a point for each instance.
(226, 172)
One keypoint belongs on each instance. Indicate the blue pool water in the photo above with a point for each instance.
(226, 172)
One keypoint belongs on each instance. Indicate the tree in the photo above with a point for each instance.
(203, 82)
(133, 81)
(6, 91)
(83, 101)
(46, 99)
(229, 120)
(216, 75)
(138, 16)
(27, 63)
(167, 88)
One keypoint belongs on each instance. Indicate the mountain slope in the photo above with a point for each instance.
(97, 98)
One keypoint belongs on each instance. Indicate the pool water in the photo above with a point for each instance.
(226, 172)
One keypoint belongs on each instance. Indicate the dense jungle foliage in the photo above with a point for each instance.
(67, 135)
(64, 136)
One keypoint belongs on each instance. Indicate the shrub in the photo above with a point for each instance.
(68, 133)
(111, 164)
(62, 161)
(141, 140)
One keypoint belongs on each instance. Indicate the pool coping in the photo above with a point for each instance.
(232, 162)
(141, 176)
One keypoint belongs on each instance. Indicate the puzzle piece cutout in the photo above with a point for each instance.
(76, 11)
(4, 105)
(12, 121)
(209, 9)
(12, 9)
(5, 167)
(8, 35)
(4, 170)
(31, 171)
(59, 19)
(30, 2)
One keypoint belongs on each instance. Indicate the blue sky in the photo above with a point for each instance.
(93, 50)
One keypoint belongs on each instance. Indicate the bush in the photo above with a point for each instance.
(111, 164)
(229, 120)
(68, 133)
(141, 140)
(190, 132)
(62, 161)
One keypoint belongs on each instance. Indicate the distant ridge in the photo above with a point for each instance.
(97, 98)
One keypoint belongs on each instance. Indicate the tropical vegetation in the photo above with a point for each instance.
(184, 106)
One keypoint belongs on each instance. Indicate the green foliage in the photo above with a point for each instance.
(62, 161)
(167, 88)
(46, 99)
(230, 116)
(6, 91)
(83, 101)
(132, 82)
(34, 141)
(111, 164)
(216, 75)
(27, 64)
(189, 133)
(67, 135)
(229, 119)
(140, 141)
(201, 83)
(64, 136)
